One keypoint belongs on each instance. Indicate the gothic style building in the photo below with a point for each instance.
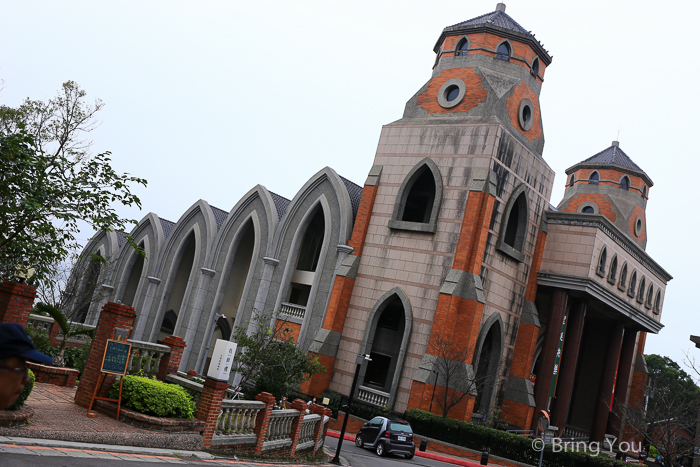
(450, 252)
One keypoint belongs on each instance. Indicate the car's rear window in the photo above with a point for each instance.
(393, 426)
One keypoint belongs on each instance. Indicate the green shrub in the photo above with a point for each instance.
(653, 452)
(25, 393)
(499, 443)
(76, 357)
(153, 397)
(41, 340)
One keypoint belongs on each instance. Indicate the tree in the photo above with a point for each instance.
(269, 360)
(455, 380)
(49, 181)
(670, 416)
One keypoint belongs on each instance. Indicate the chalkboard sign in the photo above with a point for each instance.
(116, 357)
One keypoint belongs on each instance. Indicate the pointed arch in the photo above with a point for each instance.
(514, 224)
(418, 199)
(602, 261)
(625, 182)
(650, 296)
(504, 50)
(594, 178)
(390, 302)
(462, 46)
(572, 179)
(535, 67)
(657, 303)
(489, 346)
(633, 285)
(612, 275)
(623, 278)
(642, 288)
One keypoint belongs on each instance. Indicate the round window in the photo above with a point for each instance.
(526, 114)
(452, 93)
(588, 210)
(638, 227)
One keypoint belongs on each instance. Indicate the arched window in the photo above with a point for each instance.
(633, 284)
(623, 277)
(487, 368)
(511, 239)
(462, 47)
(594, 178)
(571, 180)
(168, 325)
(588, 210)
(650, 296)
(503, 51)
(642, 287)
(612, 276)
(132, 282)
(644, 191)
(657, 303)
(535, 70)
(307, 262)
(602, 260)
(625, 183)
(418, 200)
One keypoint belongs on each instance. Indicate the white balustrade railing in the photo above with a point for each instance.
(41, 322)
(321, 439)
(306, 437)
(372, 396)
(574, 434)
(279, 429)
(236, 422)
(291, 309)
(192, 388)
(145, 357)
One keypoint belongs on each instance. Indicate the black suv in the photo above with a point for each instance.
(385, 435)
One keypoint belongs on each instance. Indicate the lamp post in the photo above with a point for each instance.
(211, 335)
(358, 361)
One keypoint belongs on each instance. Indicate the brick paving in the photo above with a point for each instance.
(56, 416)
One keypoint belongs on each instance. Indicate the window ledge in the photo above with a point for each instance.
(429, 227)
(510, 251)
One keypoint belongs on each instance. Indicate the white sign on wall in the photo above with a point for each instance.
(222, 360)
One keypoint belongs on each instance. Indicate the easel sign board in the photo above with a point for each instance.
(116, 357)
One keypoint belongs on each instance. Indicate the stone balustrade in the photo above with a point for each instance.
(372, 396)
(279, 429)
(293, 310)
(236, 422)
(306, 438)
(145, 357)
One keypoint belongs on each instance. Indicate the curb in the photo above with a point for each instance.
(427, 455)
(103, 447)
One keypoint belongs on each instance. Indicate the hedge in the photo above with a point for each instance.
(153, 397)
(499, 443)
(25, 392)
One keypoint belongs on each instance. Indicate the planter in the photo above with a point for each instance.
(150, 422)
(54, 375)
(15, 418)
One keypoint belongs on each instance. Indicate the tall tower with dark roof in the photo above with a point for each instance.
(610, 184)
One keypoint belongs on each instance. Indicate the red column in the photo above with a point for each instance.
(209, 407)
(321, 429)
(113, 316)
(624, 371)
(171, 362)
(602, 409)
(549, 348)
(262, 421)
(16, 301)
(295, 433)
(567, 370)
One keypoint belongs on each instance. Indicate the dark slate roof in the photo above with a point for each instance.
(355, 192)
(121, 238)
(613, 155)
(167, 227)
(220, 215)
(495, 18)
(281, 204)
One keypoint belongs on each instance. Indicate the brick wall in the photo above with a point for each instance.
(16, 301)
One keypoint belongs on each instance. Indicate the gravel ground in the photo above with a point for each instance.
(56, 416)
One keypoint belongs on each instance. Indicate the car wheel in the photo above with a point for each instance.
(409, 456)
(380, 449)
(358, 441)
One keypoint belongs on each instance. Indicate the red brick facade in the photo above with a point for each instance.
(16, 302)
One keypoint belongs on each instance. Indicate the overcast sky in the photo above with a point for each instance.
(207, 99)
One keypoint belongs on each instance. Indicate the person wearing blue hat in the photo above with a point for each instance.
(16, 348)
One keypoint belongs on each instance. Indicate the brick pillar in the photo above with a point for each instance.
(262, 421)
(325, 345)
(171, 362)
(209, 407)
(549, 348)
(53, 334)
(295, 433)
(113, 316)
(602, 408)
(16, 301)
(321, 429)
(624, 371)
(567, 370)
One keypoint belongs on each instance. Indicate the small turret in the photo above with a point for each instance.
(610, 184)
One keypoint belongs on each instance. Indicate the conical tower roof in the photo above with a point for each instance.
(612, 157)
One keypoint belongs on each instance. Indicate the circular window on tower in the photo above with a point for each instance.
(588, 208)
(638, 225)
(451, 93)
(526, 114)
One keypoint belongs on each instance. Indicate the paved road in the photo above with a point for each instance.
(359, 457)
